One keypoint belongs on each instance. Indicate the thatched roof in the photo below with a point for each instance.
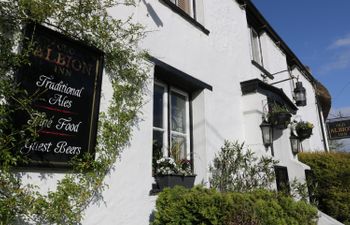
(324, 98)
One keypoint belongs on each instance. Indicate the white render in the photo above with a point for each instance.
(221, 59)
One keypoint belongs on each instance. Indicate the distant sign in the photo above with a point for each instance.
(67, 75)
(338, 129)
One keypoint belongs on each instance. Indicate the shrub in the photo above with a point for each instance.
(191, 206)
(237, 169)
(208, 206)
(331, 182)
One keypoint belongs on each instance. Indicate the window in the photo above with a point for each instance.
(255, 45)
(282, 179)
(190, 10)
(170, 122)
(186, 5)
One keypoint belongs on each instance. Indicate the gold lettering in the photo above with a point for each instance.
(38, 52)
(60, 60)
(63, 60)
(48, 55)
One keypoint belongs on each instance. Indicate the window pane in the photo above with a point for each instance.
(255, 46)
(282, 180)
(157, 144)
(178, 147)
(178, 113)
(185, 6)
(157, 152)
(158, 102)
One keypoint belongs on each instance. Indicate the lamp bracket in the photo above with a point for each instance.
(280, 72)
(291, 78)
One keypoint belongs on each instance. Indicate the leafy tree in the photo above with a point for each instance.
(237, 169)
(87, 21)
(330, 181)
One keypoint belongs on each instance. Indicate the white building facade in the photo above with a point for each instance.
(215, 70)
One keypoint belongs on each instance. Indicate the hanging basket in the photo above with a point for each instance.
(304, 133)
(280, 120)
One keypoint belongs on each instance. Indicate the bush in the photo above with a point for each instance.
(331, 182)
(238, 169)
(208, 206)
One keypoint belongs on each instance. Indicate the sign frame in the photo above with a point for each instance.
(338, 123)
(35, 32)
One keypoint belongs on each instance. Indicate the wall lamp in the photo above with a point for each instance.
(295, 144)
(266, 130)
(299, 90)
(300, 94)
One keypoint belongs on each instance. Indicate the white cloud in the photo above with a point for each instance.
(340, 61)
(341, 42)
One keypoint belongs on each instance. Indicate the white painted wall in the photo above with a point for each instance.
(221, 59)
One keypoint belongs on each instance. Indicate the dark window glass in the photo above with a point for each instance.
(282, 179)
(158, 103)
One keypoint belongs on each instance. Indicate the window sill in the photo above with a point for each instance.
(262, 69)
(184, 15)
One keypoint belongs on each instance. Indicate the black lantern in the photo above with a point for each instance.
(266, 130)
(295, 144)
(300, 94)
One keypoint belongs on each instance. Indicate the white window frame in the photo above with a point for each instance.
(255, 46)
(191, 5)
(165, 115)
(187, 124)
(167, 132)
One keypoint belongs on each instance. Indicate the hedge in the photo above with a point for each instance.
(330, 182)
(207, 206)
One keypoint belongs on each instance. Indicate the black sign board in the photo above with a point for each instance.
(338, 129)
(67, 74)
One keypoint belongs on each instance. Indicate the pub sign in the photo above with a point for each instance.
(338, 129)
(66, 74)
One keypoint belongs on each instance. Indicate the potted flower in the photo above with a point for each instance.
(304, 129)
(170, 173)
(279, 116)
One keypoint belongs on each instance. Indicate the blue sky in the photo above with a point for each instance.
(318, 32)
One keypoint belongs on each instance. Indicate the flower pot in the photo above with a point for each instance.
(304, 133)
(280, 120)
(170, 181)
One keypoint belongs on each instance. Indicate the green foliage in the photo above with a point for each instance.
(208, 206)
(237, 169)
(304, 125)
(331, 180)
(276, 108)
(89, 22)
(191, 206)
(299, 190)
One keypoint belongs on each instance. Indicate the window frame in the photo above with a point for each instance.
(282, 179)
(187, 123)
(167, 121)
(192, 7)
(191, 19)
(255, 46)
(164, 117)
